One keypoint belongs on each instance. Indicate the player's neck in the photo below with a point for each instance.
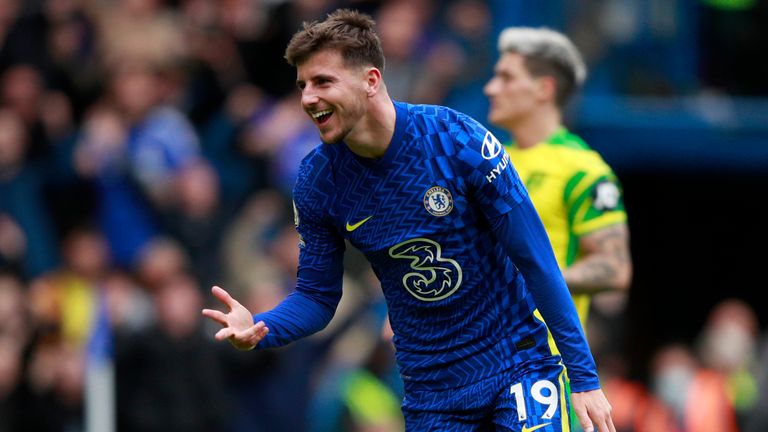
(536, 128)
(371, 136)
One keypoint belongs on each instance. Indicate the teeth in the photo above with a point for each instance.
(320, 113)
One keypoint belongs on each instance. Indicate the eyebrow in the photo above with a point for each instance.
(326, 77)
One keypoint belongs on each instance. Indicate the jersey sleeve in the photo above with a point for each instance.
(522, 234)
(319, 280)
(489, 175)
(593, 198)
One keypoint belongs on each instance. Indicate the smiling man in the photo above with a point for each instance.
(430, 198)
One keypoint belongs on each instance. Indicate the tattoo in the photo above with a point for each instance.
(605, 262)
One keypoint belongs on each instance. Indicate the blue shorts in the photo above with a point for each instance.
(533, 398)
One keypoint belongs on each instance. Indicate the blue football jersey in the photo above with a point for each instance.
(458, 306)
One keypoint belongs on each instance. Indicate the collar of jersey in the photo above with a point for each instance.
(401, 113)
(558, 137)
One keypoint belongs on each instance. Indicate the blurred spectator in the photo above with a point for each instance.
(123, 214)
(261, 31)
(360, 388)
(168, 375)
(245, 256)
(160, 261)
(696, 395)
(27, 237)
(57, 39)
(757, 417)
(635, 407)
(15, 332)
(22, 90)
(9, 13)
(11, 368)
(63, 306)
(198, 219)
(128, 306)
(728, 345)
(65, 299)
(48, 121)
(468, 27)
(139, 31)
(356, 398)
(224, 141)
(14, 319)
(160, 139)
(215, 67)
(282, 135)
(138, 156)
(420, 66)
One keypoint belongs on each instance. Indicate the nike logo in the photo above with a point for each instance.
(527, 429)
(353, 227)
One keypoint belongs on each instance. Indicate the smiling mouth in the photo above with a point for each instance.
(321, 117)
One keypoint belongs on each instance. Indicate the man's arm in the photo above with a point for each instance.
(310, 307)
(306, 311)
(605, 264)
(525, 240)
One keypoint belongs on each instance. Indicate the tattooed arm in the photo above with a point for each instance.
(604, 264)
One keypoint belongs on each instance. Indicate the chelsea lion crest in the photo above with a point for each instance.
(438, 201)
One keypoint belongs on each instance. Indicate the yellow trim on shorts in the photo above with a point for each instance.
(550, 340)
(565, 418)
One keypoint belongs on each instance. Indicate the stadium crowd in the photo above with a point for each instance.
(147, 151)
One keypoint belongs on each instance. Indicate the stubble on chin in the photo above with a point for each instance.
(330, 141)
(335, 138)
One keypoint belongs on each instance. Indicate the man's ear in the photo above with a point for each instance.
(547, 88)
(373, 81)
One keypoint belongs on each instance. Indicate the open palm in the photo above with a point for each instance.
(238, 327)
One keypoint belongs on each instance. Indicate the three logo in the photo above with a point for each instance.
(432, 277)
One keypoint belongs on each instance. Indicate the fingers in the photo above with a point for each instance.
(604, 422)
(224, 333)
(578, 401)
(246, 339)
(224, 297)
(594, 411)
(586, 423)
(253, 334)
(218, 316)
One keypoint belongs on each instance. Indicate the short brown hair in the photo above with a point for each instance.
(348, 31)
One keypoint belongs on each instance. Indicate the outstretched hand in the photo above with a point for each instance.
(238, 327)
(593, 410)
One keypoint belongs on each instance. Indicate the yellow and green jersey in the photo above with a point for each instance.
(574, 191)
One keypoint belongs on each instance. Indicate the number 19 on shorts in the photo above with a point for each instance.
(543, 391)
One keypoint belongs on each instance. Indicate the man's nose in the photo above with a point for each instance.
(488, 88)
(308, 97)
